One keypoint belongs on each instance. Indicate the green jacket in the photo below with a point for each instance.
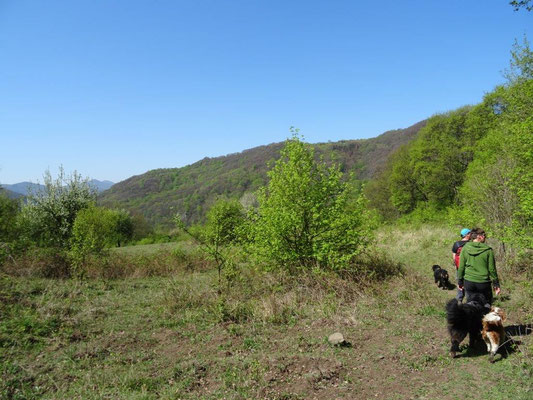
(477, 264)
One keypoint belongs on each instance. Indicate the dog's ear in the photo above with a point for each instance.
(502, 314)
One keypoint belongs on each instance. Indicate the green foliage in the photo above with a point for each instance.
(9, 209)
(224, 219)
(223, 228)
(431, 169)
(155, 237)
(124, 227)
(8, 228)
(499, 182)
(378, 193)
(96, 229)
(304, 218)
(141, 228)
(422, 214)
(522, 177)
(404, 190)
(476, 162)
(48, 216)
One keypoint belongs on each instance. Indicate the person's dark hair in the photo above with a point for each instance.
(477, 232)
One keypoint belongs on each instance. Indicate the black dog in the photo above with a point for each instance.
(441, 277)
(465, 319)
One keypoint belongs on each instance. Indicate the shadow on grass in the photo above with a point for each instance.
(451, 286)
(477, 350)
(507, 348)
(503, 298)
(519, 330)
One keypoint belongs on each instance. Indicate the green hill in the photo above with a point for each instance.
(158, 194)
(9, 193)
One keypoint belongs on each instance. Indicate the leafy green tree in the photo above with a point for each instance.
(141, 228)
(224, 219)
(522, 179)
(9, 209)
(94, 230)
(378, 193)
(223, 227)
(429, 172)
(441, 155)
(124, 227)
(304, 219)
(49, 214)
(499, 182)
(405, 192)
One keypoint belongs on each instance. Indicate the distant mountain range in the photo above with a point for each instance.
(23, 188)
(190, 191)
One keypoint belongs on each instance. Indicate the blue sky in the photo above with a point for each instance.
(114, 88)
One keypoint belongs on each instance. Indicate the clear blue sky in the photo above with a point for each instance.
(114, 88)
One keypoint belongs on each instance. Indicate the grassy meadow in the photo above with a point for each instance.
(168, 332)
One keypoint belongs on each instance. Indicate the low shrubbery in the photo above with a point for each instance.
(273, 296)
(48, 263)
(39, 262)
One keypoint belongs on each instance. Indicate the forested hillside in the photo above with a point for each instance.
(191, 190)
(473, 164)
(9, 193)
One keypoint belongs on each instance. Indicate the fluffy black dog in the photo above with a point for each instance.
(465, 319)
(441, 277)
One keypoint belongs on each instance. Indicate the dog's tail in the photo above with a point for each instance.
(455, 314)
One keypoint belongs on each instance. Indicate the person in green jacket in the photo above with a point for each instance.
(477, 268)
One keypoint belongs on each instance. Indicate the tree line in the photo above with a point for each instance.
(473, 165)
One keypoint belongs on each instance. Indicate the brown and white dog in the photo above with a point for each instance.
(493, 333)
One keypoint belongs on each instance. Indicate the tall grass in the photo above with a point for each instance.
(50, 263)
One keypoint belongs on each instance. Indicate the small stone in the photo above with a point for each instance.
(336, 339)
